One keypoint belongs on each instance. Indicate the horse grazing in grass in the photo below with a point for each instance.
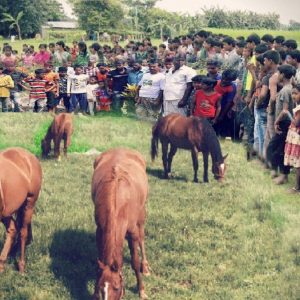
(119, 192)
(60, 128)
(192, 133)
(20, 184)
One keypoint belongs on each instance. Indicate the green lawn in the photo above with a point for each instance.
(237, 240)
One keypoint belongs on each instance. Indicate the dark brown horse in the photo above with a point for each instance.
(119, 192)
(60, 129)
(192, 133)
(20, 184)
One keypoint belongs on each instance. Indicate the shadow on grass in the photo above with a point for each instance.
(159, 173)
(74, 254)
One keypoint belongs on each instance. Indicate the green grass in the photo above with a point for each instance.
(237, 240)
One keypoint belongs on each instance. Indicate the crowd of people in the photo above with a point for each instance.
(247, 85)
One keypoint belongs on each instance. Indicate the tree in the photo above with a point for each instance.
(14, 21)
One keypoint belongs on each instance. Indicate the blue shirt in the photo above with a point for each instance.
(134, 77)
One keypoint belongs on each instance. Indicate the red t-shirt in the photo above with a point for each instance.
(203, 100)
(223, 89)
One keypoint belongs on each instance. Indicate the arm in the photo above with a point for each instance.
(218, 110)
(273, 91)
(188, 90)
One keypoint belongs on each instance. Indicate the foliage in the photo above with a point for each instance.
(294, 25)
(130, 91)
(35, 14)
(238, 240)
(14, 22)
(99, 15)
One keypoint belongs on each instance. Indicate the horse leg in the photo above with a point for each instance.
(170, 157)
(11, 232)
(164, 146)
(205, 166)
(57, 147)
(67, 142)
(195, 164)
(133, 244)
(145, 269)
(28, 212)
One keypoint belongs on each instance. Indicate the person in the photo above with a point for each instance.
(102, 72)
(178, 87)
(82, 59)
(60, 56)
(7, 58)
(76, 88)
(207, 102)
(213, 67)
(27, 60)
(91, 88)
(119, 80)
(136, 74)
(293, 58)
(52, 87)
(231, 58)
(37, 90)
(103, 97)
(63, 88)
(292, 144)
(43, 56)
(150, 93)
(6, 83)
(275, 150)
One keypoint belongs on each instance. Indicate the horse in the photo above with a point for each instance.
(20, 184)
(190, 133)
(60, 128)
(119, 193)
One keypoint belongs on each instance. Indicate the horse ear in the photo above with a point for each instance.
(101, 265)
(225, 156)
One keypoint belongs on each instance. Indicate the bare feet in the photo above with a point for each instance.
(281, 179)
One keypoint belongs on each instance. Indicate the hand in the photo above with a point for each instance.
(277, 129)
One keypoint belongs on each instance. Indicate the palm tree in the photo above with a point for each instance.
(14, 21)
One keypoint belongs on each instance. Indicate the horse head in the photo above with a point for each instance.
(46, 147)
(110, 281)
(219, 168)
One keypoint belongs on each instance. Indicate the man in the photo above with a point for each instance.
(178, 87)
(136, 74)
(119, 78)
(150, 93)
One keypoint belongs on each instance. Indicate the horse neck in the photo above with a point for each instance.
(112, 243)
(214, 147)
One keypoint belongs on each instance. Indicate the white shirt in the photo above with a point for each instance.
(176, 83)
(90, 91)
(77, 84)
(151, 85)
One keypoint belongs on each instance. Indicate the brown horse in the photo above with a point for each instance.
(192, 133)
(20, 184)
(60, 128)
(119, 192)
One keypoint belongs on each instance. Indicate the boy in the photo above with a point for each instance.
(76, 87)
(6, 83)
(62, 88)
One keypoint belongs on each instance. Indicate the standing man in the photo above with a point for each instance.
(178, 87)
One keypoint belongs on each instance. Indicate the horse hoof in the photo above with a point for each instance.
(145, 269)
(21, 266)
(2, 266)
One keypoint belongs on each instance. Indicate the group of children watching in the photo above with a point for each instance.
(249, 85)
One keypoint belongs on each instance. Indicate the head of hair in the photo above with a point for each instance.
(162, 46)
(291, 44)
(229, 40)
(241, 44)
(209, 81)
(60, 43)
(260, 59)
(261, 48)
(295, 54)
(82, 48)
(253, 38)
(272, 55)
(51, 45)
(43, 46)
(95, 46)
(230, 75)
(279, 39)
(39, 71)
(62, 70)
(240, 38)
(202, 33)
(267, 38)
(287, 70)
(197, 78)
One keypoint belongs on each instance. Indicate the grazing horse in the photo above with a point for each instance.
(20, 184)
(60, 128)
(192, 133)
(119, 192)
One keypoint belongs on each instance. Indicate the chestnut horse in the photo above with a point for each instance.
(60, 128)
(20, 184)
(119, 192)
(190, 133)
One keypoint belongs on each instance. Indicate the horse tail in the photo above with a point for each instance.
(154, 141)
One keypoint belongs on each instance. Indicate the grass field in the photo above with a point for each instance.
(237, 240)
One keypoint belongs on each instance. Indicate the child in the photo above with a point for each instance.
(76, 87)
(52, 84)
(207, 102)
(62, 88)
(43, 56)
(292, 144)
(37, 88)
(28, 59)
(275, 150)
(213, 67)
(6, 83)
(103, 97)
(82, 59)
(91, 88)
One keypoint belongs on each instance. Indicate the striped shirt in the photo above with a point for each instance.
(37, 87)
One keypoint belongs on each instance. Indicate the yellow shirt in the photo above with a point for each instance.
(249, 76)
(6, 83)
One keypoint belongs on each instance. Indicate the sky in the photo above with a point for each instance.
(289, 9)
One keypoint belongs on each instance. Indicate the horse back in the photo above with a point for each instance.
(21, 176)
(62, 124)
